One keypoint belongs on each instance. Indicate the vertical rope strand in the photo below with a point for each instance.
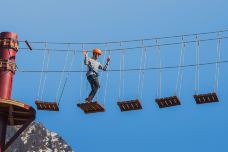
(218, 72)
(198, 72)
(67, 76)
(143, 71)
(179, 67)
(120, 79)
(182, 68)
(197, 65)
(123, 73)
(218, 56)
(195, 69)
(45, 76)
(81, 74)
(101, 76)
(140, 69)
(218, 68)
(159, 92)
(42, 74)
(63, 72)
(106, 82)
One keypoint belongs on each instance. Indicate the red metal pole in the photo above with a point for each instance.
(8, 50)
(7, 54)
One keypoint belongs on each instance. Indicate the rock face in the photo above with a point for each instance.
(36, 138)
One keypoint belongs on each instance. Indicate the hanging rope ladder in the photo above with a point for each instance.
(54, 105)
(44, 105)
(126, 105)
(172, 100)
(212, 96)
(106, 82)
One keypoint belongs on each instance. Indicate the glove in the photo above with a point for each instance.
(108, 59)
(85, 52)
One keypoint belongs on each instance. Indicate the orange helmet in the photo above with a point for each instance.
(97, 51)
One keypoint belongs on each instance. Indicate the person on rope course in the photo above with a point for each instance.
(92, 71)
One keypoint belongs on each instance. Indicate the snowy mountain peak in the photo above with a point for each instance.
(36, 138)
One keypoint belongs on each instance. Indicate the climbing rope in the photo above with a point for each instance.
(159, 90)
(41, 75)
(140, 69)
(62, 74)
(106, 81)
(197, 64)
(81, 77)
(217, 65)
(123, 73)
(143, 71)
(143, 60)
(101, 76)
(121, 80)
(180, 69)
(67, 76)
(45, 74)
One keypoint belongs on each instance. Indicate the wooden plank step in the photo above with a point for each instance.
(129, 105)
(91, 107)
(168, 101)
(206, 98)
(50, 106)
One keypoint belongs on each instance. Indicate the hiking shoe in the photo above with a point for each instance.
(88, 100)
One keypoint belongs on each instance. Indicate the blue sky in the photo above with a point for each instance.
(188, 127)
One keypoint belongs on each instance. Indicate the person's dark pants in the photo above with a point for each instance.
(94, 83)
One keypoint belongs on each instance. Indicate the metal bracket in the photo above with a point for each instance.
(9, 43)
(7, 65)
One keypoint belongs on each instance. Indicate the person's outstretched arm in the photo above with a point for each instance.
(104, 68)
(86, 59)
